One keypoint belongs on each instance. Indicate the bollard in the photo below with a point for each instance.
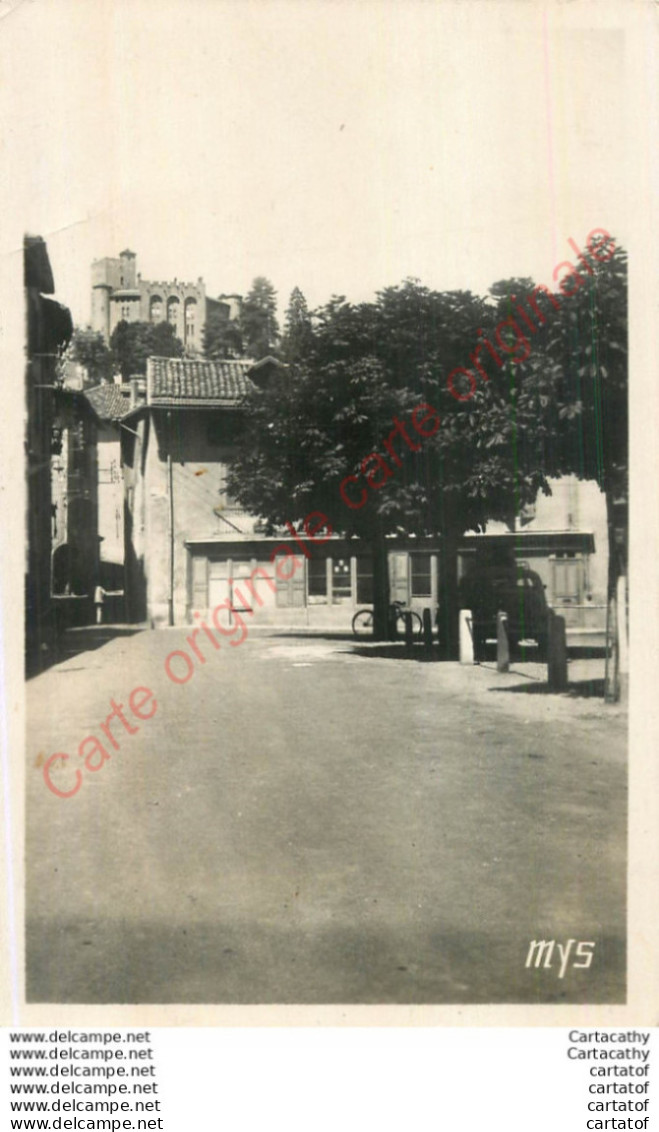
(556, 653)
(466, 638)
(409, 632)
(503, 647)
(427, 631)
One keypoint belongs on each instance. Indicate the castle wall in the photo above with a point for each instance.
(119, 294)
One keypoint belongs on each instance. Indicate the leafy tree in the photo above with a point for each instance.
(529, 411)
(580, 383)
(88, 349)
(164, 341)
(258, 319)
(133, 342)
(222, 337)
(368, 367)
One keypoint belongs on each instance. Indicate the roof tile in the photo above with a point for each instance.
(110, 402)
(176, 381)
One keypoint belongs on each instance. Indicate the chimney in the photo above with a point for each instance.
(137, 392)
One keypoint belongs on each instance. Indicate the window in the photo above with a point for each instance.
(125, 311)
(173, 308)
(421, 576)
(156, 308)
(317, 580)
(341, 587)
(190, 319)
(364, 581)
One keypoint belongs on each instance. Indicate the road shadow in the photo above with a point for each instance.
(304, 634)
(366, 647)
(91, 637)
(398, 650)
(577, 689)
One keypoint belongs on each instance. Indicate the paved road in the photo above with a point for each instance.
(297, 823)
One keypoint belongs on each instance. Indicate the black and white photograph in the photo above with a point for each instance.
(323, 512)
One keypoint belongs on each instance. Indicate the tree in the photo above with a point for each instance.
(88, 349)
(297, 327)
(222, 337)
(588, 346)
(511, 400)
(258, 319)
(133, 342)
(366, 368)
(581, 384)
(576, 381)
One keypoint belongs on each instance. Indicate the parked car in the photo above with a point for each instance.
(511, 588)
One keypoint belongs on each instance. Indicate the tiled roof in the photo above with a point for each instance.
(108, 401)
(186, 381)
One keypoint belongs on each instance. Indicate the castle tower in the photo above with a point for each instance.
(128, 263)
(114, 279)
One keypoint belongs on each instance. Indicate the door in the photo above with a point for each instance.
(219, 590)
(567, 580)
(399, 577)
(252, 585)
(290, 591)
(568, 585)
(247, 585)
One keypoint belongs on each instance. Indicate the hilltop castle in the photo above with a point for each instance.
(119, 293)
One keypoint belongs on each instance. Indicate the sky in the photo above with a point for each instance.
(336, 145)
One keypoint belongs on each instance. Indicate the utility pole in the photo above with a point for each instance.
(170, 489)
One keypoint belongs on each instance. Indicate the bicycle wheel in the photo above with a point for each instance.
(362, 623)
(417, 625)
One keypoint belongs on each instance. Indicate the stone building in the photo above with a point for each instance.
(111, 402)
(49, 329)
(74, 478)
(120, 294)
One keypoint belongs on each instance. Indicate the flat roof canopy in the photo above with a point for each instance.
(533, 542)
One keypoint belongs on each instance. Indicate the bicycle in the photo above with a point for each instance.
(362, 622)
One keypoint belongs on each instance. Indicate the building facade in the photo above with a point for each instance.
(564, 539)
(120, 294)
(111, 402)
(49, 329)
(74, 477)
(190, 547)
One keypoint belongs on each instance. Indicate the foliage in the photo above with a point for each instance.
(133, 342)
(222, 337)
(550, 399)
(580, 385)
(258, 319)
(365, 365)
(297, 327)
(88, 349)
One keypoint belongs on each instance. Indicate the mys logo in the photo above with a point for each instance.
(541, 954)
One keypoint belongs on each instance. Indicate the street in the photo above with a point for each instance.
(299, 823)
